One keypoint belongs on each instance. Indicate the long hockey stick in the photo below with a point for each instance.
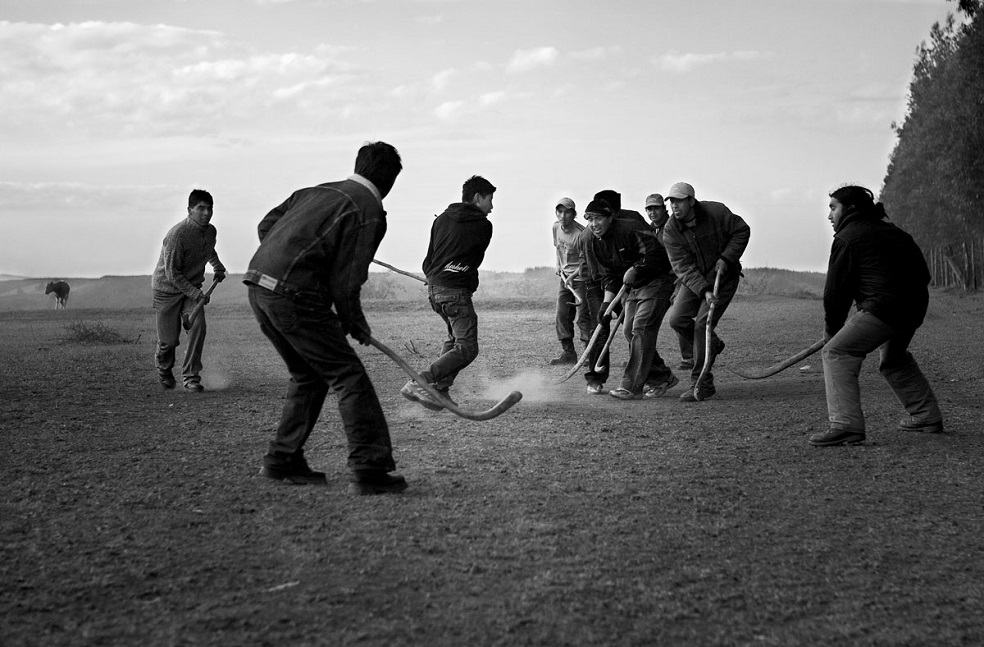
(188, 318)
(780, 366)
(599, 367)
(594, 338)
(708, 335)
(399, 271)
(499, 408)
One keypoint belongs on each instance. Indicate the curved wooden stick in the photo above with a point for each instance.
(594, 338)
(708, 335)
(399, 271)
(189, 318)
(599, 367)
(499, 408)
(567, 283)
(781, 366)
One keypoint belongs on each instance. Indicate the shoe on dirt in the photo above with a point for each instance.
(194, 387)
(625, 394)
(416, 393)
(694, 395)
(376, 482)
(911, 424)
(837, 437)
(656, 390)
(595, 388)
(303, 475)
(167, 379)
(567, 357)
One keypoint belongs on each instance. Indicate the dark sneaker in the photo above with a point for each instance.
(194, 387)
(625, 394)
(567, 357)
(416, 393)
(376, 482)
(837, 437)
(303, 475)
(656, 390)
(685, 365)
(167, 379)
(696, 395)
(596, 388)
(911, 424)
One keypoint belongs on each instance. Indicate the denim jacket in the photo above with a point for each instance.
(316, 247)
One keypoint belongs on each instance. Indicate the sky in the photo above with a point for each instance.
(112, 111)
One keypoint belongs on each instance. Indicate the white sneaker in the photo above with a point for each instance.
(596, 388)
(416, 393)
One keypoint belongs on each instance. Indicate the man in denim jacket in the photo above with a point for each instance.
(458, 240)
(304, 285)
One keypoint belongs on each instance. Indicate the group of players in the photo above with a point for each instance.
(304, 284)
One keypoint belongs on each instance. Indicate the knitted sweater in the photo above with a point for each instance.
(181, 266)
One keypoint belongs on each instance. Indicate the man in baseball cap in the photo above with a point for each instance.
(658, 216)
(702, 239)
(572, 301)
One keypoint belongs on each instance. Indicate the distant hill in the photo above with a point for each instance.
(10, 277)
(538, 284)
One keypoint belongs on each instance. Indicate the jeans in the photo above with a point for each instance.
(169, 308)
(568, 313)
(319, 358)
(594, 296)
(689, 319)
(644, 310)
(842, 358)
(686, 342)
(460, 348)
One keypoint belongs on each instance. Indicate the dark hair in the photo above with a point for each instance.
(858, 199)
(598, 205)
(379, 163)
(199, 195)
(612, 197)
(476, 184)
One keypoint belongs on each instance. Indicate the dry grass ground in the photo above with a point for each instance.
(131, 515)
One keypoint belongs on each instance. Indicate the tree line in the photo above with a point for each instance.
(934, 185)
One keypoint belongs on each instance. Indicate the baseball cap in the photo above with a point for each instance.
(681, 190)
(566, 203)
(654, 200)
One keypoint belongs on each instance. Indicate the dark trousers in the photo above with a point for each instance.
(689, 319)
(568, 313)
(460, 347)
(319, 358)
(594, 296)
(645, 308)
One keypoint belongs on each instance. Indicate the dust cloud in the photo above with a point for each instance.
(534, 385)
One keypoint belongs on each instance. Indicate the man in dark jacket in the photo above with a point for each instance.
(458, 240)
(878, 267)
(702, 238)
(304, 285)
(626, 252)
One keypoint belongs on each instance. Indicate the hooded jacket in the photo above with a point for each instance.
(877, 266)
(458, 240)
(715, 232)
(626, 244)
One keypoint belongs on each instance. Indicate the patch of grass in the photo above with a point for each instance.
(96, 332)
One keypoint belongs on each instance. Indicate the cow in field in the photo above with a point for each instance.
(61, 289)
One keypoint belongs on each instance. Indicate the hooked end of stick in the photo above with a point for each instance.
(513, 398)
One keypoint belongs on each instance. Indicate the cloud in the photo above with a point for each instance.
(490, 98)
(678, 63)
(441, 79)
(449, 109)
(79, 197)
(526, 59)
(112, 79)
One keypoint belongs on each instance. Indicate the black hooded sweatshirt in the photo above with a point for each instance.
(878, 267)
(458, 240)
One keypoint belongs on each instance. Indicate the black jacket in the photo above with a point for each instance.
(627, 243)
(877, 266)
(458, 240)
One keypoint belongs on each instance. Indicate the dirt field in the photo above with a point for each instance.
(131, 515)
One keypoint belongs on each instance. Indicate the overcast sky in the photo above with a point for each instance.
(113, 110)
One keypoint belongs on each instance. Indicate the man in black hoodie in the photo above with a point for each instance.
(458, 240)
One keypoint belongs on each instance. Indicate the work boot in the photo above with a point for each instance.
(837, 437)
(167, 379)
(567, 356)
(376, 482)
(911, 424)
(295, 474)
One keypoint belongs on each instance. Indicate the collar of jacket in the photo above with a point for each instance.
(355, 177)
